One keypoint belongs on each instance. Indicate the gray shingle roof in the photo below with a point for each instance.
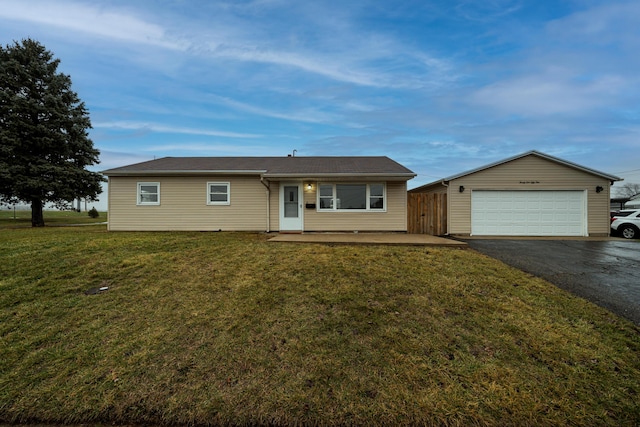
(269, 167)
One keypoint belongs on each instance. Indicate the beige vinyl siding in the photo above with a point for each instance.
(183, 205)
(394, 219)
(431, 189)
(530, 173)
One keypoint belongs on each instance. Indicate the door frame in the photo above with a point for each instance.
(291, 225)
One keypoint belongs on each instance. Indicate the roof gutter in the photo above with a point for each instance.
(393, 176)
(262, 173)
(182, 172)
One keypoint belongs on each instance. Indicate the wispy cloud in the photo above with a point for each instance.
(93, 20)
(419, 69)
(351, 59)
(601, 25)
(303, 115)
(548, 94)
(582, 65)
(306, 62)
(487, 10)
(441, 86)
(213, 149)
(159, 128)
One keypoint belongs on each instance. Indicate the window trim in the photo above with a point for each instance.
(368, 196)
(139, 201)
(225, 203)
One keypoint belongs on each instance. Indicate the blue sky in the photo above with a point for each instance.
(440, 86)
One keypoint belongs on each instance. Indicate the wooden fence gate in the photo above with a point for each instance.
(427, 214)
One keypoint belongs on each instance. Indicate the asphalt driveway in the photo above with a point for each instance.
(605, 272)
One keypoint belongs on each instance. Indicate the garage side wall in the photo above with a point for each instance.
(530, 173)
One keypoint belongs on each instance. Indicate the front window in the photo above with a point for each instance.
(326, 196)
(218, 193)
(376, 196)
(351, 197)
(148, 193)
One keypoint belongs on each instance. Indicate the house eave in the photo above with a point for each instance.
(268, 176)
(342, 176)
(183, 172)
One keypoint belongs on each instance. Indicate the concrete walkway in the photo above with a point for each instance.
(369, 239)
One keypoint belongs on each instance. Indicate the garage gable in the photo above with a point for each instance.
(535, 158)
(532, 194)
(530, 172)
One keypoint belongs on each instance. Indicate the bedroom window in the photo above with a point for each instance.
(351, 197)
(218, 193)
(148, 193)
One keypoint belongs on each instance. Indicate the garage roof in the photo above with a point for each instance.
(610, 177)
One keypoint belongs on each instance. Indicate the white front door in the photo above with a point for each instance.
(291, 206)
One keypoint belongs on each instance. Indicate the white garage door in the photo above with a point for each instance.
(528, 213)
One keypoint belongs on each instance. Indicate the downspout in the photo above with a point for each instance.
(267, 186)
(109, 202)
(448, 207)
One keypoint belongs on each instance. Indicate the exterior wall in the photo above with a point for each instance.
(530, 173)
(183, 205)
(393, 219)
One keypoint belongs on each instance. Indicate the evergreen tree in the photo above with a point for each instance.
(44, 141)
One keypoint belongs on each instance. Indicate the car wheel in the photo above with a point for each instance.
(629, 231)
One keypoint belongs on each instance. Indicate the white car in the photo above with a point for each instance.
(626, 223)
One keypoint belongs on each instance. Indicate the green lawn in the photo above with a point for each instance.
(226, 328)
(22, 218)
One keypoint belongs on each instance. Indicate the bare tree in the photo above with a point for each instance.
(628, 190)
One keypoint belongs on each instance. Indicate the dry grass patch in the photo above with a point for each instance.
(225, 328)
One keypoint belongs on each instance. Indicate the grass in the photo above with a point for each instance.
(225, 328)
(22, 218)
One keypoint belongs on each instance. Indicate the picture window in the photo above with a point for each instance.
(351, 197)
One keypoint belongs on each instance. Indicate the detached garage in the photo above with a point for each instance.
(532, 194)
